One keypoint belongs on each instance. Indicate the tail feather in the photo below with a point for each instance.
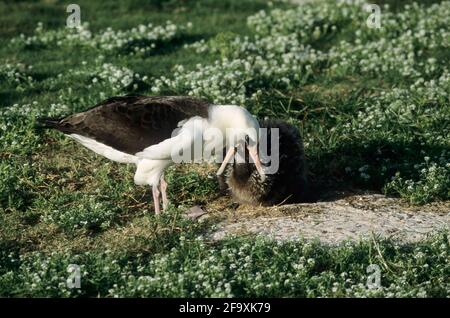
(49, 123)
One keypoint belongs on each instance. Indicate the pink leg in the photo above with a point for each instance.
(156, 195)
(164, 193)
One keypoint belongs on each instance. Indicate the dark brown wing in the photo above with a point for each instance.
(133, 123)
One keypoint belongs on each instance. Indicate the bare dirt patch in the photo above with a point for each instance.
(352, 217)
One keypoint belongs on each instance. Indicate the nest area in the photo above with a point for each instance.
(342, 217)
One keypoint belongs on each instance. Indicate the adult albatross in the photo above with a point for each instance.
(146, 130)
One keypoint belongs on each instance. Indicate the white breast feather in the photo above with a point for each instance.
(149, 172)
(104, 150)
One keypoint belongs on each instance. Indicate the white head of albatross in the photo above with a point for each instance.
(239, 130)
(138, 130)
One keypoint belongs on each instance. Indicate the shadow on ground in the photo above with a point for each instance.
(337, 170)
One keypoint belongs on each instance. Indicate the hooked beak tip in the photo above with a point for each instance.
(253, 152)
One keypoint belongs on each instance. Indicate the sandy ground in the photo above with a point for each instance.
(352, 216)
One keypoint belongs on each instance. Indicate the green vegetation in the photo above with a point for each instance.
(372, 105)
(237, 268)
